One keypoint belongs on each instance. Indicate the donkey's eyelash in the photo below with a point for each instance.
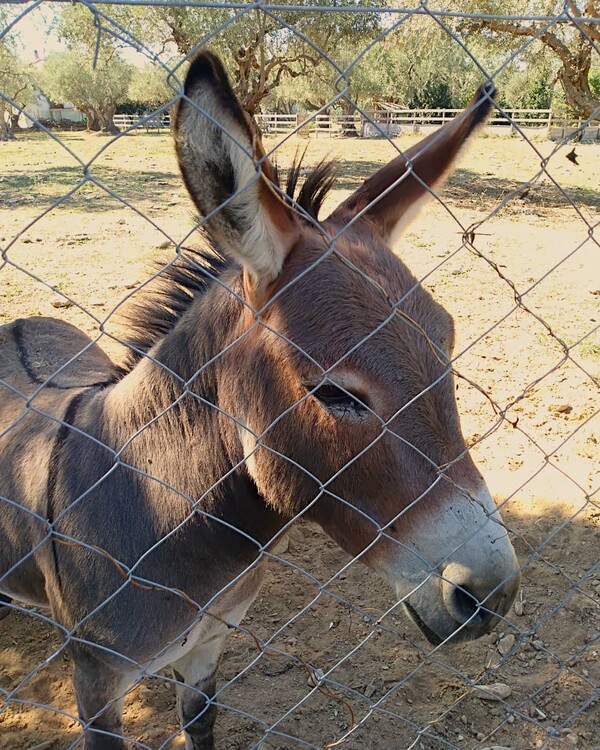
(336, 399)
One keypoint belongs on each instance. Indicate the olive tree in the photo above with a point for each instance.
(95, 91)
(16, 83)
(572, 45)
(262, 49)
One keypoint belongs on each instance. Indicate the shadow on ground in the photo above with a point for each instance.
(42, 188)
(470, 188)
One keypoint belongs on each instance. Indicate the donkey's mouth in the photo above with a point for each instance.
(455, 632)
(430, 634)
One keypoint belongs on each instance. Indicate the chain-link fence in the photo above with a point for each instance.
(281, 389)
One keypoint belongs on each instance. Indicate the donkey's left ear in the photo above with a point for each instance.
(392, 197)
(223, 164)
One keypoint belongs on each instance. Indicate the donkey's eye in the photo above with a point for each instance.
(337, 400)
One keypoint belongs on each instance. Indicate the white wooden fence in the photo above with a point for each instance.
(146, 122)
(340, 123)
(381, 123)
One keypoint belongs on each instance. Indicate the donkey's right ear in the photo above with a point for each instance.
(225, 170)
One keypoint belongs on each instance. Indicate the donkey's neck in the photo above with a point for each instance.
(167, 411)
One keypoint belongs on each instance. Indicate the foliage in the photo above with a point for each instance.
(434, 95)
(95, 91)
(415, 64)
(539, 94)
(262, 49)
(131, 107)
(569, 45)
(76, 27)
(530, 86)
(150, 85)
(15, 83)
(91, 74)
(594, 80)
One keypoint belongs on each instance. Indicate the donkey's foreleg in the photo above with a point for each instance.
(196, 682)
(4, 608)
(100, 693)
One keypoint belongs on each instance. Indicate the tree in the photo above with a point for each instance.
(94, 91)
(91, 74)
(594, 81)
(15, 83)
(262, 50)
(416, 64)
(568, 42)
(149, 85)
(528, 87)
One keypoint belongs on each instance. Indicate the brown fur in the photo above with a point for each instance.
(278, 374)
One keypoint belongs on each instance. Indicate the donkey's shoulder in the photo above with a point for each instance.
(36, 350)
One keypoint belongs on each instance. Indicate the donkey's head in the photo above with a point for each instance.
(344, 382)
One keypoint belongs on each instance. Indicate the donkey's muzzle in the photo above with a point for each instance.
(460, 605)
(476, 603)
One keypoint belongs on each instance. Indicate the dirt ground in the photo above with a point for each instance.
(538, 451)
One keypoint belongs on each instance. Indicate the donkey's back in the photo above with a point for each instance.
(45, 351)
(44, 364)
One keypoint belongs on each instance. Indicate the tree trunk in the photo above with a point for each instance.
(575, 57)
(107, 120)
(347, 120)
(14, 122)
(252, 100)
(243, 87)
(91, 120)
(6, 133)
(172, 116)
(574, 78)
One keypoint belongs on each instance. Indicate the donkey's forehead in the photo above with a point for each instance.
(371, 258)
(356, 255)
(344, 297)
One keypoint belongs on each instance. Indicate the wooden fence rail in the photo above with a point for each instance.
(379, 123)
(152, 122)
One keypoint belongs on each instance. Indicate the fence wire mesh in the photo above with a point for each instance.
(248, 412)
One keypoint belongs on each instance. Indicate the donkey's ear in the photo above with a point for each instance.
(223, 164)
(392, 197)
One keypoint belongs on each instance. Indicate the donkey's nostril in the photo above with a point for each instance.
(475, 600)
(465, 606)
(468, 599)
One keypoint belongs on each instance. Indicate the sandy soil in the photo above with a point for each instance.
(538, 449)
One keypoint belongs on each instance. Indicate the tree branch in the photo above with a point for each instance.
(592, 30)
(518, 29)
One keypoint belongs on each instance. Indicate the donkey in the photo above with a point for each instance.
(294, 368)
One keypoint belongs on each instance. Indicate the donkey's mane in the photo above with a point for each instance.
(167, 297)
(178, 284)
(316, 187)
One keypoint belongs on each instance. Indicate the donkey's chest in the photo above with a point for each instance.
(225, 612)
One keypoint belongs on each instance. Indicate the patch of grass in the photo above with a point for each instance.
(589, 349)
(143, 166)
(12, 289)
(132, 167)
(43, 187)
